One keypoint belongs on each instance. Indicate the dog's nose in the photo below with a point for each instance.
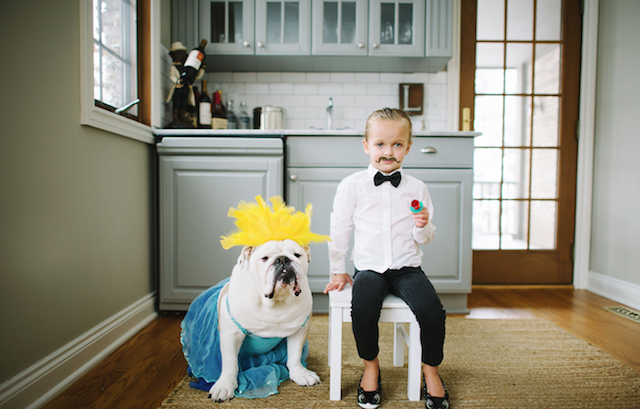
(282, 260)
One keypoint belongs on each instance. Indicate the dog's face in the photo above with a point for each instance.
(278, 269)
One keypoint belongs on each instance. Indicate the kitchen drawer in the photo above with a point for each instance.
(347, 151)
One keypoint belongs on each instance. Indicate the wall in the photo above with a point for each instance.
(76, 215)
(305, 96)
(616, 192)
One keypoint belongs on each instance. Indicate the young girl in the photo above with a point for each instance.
(375, 204)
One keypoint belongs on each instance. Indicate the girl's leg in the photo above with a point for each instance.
(413, 286)
(369, 290)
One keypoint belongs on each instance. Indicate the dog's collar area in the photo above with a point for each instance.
(247, 332)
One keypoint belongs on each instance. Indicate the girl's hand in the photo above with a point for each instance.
(421, 218)
(338, 281)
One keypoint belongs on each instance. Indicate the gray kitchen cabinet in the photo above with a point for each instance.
(443, 163)
(396, 28)
(200, 179)
(283, 27)
(339, 27)
(227, 25)
(439, 29)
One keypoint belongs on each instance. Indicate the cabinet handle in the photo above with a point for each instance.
(246, 43)
(260, 44)
(429, 149)
(376, 45)
(361, 45)
(293, 178)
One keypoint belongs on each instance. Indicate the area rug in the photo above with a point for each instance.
(529, 363)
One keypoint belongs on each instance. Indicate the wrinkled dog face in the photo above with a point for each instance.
(281, 267)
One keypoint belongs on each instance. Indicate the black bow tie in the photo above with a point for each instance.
(394, 178)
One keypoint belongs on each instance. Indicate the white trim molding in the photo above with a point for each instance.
(453, 73)
(586, 130)
(97, 117)
(38, 384)
(615, 289)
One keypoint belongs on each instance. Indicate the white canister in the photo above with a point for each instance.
(271, 117)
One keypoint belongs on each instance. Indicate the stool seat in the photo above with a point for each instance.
(393, 310)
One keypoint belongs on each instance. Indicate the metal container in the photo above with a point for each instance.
(271, 117)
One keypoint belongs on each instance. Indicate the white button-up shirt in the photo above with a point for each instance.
(385, 236)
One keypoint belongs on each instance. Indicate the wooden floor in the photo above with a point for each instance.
(146, 368)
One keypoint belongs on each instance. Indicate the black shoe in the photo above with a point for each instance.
(436, 403)
(370, 400)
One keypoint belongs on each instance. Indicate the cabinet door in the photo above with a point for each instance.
(227, 25)
(439, 29)
(447, 259)
(282, 27)
(318, 187)
(339, 27)
(195, 196)
(396, 28)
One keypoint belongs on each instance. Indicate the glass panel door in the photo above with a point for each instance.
(339, 27)
(282, 27)
(396, 28)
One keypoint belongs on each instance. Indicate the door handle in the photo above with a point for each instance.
(429, 149)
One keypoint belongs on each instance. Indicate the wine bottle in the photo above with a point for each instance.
(204, 111)
(219, 120)
(192, 64)
(232, 121)
(245, 120)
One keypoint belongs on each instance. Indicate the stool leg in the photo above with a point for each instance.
(335, 348)
(398, 345)
(415, 362)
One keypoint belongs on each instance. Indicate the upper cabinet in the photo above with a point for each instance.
(356, 28)
(396, 28)
(227, 26)
(282, 27)
(339, 27)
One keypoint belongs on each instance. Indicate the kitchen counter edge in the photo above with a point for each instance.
(293, 132)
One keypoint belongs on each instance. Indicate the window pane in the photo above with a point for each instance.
(330, 23)
(517, 121)
(543, 225)
(291, 22)
(112, 80)
(97, 78)
(489, 68)
(486, 216)
(546, 124)
(113, 26)
(405, 22)
(217, 22)
(488, 120)
(274, 23)
(519, 70)
(515, 218)
(490, 20)
(515, 184)
(387, 23)
(520, 20)
(547, 69)
(544, 174)
(487, 173)
(348, 27)
(96, 19)
(548, 20)
(235, 22)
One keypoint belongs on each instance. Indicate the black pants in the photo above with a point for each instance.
(409, 284)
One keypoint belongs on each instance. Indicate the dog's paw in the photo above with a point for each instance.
(304, 377)
(222, 391)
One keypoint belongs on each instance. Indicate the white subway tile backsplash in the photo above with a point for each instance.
(305, 96)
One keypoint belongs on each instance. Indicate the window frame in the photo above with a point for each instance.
(148, 77)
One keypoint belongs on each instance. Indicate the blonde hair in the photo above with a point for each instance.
(390, 114)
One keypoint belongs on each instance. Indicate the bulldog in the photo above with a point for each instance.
(268, 296)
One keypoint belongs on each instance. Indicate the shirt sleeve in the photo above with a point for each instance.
(341, 226)
(425, 234)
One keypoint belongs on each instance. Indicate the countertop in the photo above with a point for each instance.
(293, 132)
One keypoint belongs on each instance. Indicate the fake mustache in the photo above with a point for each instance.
(385, 158)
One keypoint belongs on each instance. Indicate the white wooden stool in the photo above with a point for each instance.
(393, 310)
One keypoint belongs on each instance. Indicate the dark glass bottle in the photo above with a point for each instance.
(218, 117)
(192, 64)
(204, 108)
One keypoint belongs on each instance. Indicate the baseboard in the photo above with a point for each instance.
(615, 289)
(38, 384)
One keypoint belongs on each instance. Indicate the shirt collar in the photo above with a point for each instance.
(372, 171)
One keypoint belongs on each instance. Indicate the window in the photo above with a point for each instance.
(116, 66)
(115, 48)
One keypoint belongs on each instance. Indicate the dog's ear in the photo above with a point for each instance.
(245, 255)
(307, 250)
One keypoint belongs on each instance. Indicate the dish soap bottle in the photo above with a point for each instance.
(231, 116)
(245, 121)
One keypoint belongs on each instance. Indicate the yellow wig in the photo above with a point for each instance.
(258, 224)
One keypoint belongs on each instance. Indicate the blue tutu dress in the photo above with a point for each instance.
(262, 361)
